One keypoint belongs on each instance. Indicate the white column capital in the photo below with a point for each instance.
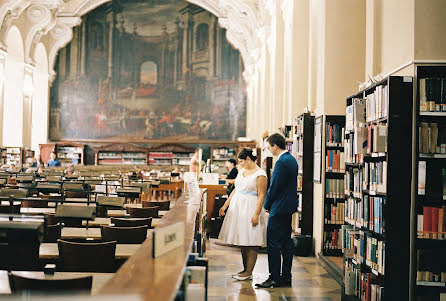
(28, 85)
(287, 12)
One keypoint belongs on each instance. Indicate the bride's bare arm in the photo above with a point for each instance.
(221, 212)
(261, 192)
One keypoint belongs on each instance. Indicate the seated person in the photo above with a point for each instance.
(53, 162)
(232, 174)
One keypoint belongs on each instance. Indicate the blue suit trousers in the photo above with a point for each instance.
(279, 244)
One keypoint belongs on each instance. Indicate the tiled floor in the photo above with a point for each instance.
(310, 281)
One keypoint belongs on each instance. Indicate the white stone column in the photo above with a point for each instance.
(28, 90)
(275, 44)
(74, 54)
(296, 19)
(13, 102)
(3, 55)
(211, 47)
(83, 47)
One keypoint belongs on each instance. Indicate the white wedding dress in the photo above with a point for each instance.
(237, 228)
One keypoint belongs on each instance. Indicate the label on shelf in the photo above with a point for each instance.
(431, 283)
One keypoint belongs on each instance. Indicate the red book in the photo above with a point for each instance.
(435, 222)
(335, 238)
(329, 137)
(427, 221)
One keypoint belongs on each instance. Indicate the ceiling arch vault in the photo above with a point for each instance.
(51, 23)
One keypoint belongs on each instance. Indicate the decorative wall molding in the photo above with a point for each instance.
(13, 11)
(51, 21)
(59, 36)
(37, 17)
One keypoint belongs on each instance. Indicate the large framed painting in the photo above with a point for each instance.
(144, 70)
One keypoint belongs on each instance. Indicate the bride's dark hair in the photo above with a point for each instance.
(245, 153)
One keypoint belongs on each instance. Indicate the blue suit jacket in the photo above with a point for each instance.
(281, 197)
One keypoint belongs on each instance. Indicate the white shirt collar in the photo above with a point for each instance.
(285, 151)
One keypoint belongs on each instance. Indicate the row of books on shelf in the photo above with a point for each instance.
(354, 114)
(377, 103)
(117, 155)
(164, 155)
(366, 140)
(178, 161)
(299, 182)
(334, 188)
(297, 148)
(223, 152)
(69, 155)
(334, 135)
(367, 213)
(69, 149)
(298, 127)
(332, 240)
(365, 286)
(374, 175)
(353, 182)
(432, 138)
(363, 248)
(432, 223)
(437, 182)
(335, 213)
(289, 146)
(13, 150)
(335, 161)
(160, 161)
(431, 266)
(433, 95)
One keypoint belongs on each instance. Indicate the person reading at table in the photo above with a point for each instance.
(53, 162)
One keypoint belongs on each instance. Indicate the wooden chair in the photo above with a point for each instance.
(87, 257)
(7, 209)
(131, 222)
(35, 204)
(52, 233)
(39, 286)
(14, 193)
(20, 256)
(143, 212)
(51, 219)
(163, 205)
(124, 235)
(108, 202)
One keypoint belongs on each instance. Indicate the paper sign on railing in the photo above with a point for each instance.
(167, 238)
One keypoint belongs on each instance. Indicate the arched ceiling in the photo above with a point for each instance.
(244, 20)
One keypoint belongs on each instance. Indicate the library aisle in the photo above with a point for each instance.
(310, 281)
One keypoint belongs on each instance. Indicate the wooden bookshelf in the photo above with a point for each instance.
(170, 154)
(67, 152)
(28, 156)
(428, 205)
(121, 153)
(378, 144)
(302, 150)
(70, 153)
(222, 153)
(14, 155)
(334, 200)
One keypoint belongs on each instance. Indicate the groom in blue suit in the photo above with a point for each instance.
(281, 202)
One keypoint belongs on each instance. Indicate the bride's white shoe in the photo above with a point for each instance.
(242, 278)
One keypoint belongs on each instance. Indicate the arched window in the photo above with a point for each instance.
(202, 37)
(149, 73)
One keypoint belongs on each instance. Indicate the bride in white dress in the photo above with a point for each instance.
(244, 224)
